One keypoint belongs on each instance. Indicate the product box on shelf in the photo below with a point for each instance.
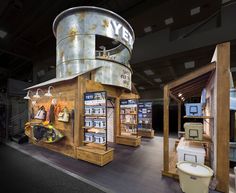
(193, 109)
(88, 110)
(99, 138)
(101, 123)
(193, 130)
(88, 122)
(99, 110)
(89, 137)
(189, 151)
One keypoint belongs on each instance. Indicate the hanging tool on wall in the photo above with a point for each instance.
(32, 113)
(51, 114)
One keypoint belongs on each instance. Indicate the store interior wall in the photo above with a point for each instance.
(157, 119)
(13, 109)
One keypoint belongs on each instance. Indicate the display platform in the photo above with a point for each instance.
(130, 140)
(96, 156)
(146, 133)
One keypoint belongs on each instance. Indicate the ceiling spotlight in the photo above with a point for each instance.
(141, 88)
(147, 29)
(52, 66)
(158, 80)
(27, 97)
(169, 21)
(148, 72)
(180, 94)
(37, 93)
(3, 34)
(49, 94)
(190, 64)
(195, 11)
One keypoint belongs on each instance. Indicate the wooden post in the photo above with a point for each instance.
(117, 117)
(179, 116)
(222, 115)
(78, 132)
(166, 129)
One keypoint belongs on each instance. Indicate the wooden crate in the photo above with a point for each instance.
(128, 140)
(96, 156)
(147, 133)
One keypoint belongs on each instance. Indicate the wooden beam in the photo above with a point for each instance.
(222, 115)
(193, 94)
(201, 71)
(166, 128)
(175, 98)
(195, 91)
(190, 88)
(179, 116)
(190, 84)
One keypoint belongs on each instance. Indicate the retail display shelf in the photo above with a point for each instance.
(102, 115)
(198, 117)
(94, 143)
(94, 128)
(95, 125)
(128, 123)
(128, 113)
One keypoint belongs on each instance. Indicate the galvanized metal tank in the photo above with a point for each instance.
(76, 31)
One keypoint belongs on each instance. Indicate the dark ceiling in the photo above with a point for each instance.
(29, 27)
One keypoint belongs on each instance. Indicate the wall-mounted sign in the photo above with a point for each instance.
(145, 115)
(95, 98)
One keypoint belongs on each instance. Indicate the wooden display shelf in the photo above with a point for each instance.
(125, 133)
(130, 140)
(94, 115)
(94, 128)
(87, 142)
(198, 117)
(146, 133)
(128, 123)
(128, 113)
(96, 156)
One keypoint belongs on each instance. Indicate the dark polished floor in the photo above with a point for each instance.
(20, 173)
(132, 170)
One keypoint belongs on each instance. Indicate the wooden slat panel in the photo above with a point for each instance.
(201, 85)
(195, 81)
(210, 67)
(66, 98)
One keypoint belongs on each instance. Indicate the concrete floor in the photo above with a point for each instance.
(21, 173)
(132, 170)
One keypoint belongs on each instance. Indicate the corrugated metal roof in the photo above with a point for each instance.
(56, 80)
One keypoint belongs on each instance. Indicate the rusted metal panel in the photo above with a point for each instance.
(75, 30)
